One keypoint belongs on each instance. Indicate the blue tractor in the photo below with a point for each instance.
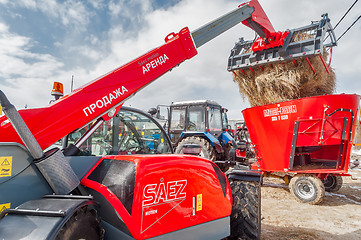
(201, 122)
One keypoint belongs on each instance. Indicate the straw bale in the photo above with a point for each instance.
(285, 81)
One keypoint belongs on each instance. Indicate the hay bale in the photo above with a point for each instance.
(285, 81)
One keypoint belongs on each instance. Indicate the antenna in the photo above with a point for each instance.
(72, 83)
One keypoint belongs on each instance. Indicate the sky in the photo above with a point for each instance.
(42, 41)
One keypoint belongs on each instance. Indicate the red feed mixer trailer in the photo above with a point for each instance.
(307, 141)
(59, 195)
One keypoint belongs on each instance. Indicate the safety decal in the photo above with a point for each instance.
(5, 166)
(199, 202)
(4, 206)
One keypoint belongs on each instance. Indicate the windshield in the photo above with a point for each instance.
(214, 118)
(127, 133)
(196, 119)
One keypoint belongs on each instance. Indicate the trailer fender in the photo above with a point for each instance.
(245, 175)
(41, 218)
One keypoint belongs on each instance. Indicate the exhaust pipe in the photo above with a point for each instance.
(53, 165)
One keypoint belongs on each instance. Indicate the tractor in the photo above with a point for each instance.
(199, 122)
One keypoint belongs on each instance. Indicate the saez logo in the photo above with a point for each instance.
(164, 192)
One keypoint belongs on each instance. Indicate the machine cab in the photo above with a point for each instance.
(131, 131)
(195, 116)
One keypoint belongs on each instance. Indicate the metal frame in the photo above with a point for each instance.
(242, 56)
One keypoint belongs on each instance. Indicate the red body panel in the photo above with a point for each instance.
(271, 128)
(269, 37)
(166, 186)
(259, 17)
(95, 99)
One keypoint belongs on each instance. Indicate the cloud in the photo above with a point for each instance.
(93, 37)
(71, 13)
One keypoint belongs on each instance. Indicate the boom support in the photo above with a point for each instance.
(104, 96)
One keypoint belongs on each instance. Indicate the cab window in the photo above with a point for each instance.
(196, 119)
(127, 133)
(214, 118)
(178, 118)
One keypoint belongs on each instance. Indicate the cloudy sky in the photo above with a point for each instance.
(42, 41)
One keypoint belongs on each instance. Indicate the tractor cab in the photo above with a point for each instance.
(195, 116)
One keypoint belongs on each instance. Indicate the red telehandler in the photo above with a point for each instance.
(60, 195)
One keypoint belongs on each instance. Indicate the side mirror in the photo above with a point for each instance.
(152, 111)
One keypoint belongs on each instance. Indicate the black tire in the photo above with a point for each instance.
(332, 183)
(307, 188)
(246, 210)
(82, 225)
(207, 149)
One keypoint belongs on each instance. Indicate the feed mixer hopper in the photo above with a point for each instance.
(306, 141)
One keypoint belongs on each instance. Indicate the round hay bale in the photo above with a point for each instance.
(285, 81)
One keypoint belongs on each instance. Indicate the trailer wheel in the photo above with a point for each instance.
(82, 225)
(246, 210)
(207, 149)
(332, 183)
(307, 188)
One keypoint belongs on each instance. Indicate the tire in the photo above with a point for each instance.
(307, 189)
(207, 149)
(246, 210)
(82, 225)
(332, 183)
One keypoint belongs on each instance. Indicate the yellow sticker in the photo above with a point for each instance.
(1, 110)
(199, 202)
(5, 166)
(4, 206)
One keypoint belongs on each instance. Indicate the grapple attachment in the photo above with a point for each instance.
(285, 46)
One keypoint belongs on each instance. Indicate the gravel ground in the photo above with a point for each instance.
(338, 216)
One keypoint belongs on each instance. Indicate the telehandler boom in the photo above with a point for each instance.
(104, 96)
(52, 196)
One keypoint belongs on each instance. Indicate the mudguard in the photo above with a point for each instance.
(227, 138)
(245, 175)
(41, 218)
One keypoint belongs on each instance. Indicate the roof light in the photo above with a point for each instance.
(58, 90)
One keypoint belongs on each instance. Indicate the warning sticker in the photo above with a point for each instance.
(199, 202)
(5, 166)
(4, 206)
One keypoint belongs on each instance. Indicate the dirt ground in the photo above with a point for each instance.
(338, 216)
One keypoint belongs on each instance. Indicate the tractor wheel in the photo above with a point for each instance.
(307, 189)
(207, 149)
(82, 225)
(246, 210)
(332, 183)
